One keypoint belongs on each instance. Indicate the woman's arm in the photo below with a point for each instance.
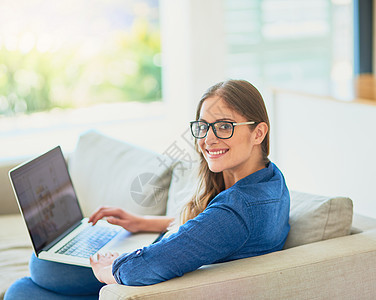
(212, 236)
(155, 223)
(131, 222)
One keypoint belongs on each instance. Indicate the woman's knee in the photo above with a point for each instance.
(63, 278)
(18, 290)
(25, 289)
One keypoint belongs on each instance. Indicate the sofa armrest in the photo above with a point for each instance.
(340, 268)
(7, 200)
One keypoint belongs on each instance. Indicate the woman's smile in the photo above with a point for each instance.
(216, 153)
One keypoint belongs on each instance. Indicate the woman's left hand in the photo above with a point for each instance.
(102, 267)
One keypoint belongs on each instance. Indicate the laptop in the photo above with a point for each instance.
(54, 219)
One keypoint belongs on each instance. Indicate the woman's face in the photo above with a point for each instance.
(236, 155)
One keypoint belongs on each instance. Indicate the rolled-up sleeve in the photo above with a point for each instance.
(210, 237)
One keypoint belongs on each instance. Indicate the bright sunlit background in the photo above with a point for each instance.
(126, 66)
(75, 53)
(135, 69)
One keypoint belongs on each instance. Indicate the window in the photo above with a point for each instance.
(75, 53)
(300, 45)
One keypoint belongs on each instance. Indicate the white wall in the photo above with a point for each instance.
(193, 53)
(327, 147)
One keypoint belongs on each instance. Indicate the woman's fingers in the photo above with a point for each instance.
(125, 223)
(117, 216)
(131, 223)
(94, 216)
(98, 257)
(106, 212)
(115, 221)
(111, 254)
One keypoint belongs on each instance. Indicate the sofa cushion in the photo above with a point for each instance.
(314, 218)
(15, 250)
(107, 171)
(184, 183)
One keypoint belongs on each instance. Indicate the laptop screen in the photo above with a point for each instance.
(46, 197)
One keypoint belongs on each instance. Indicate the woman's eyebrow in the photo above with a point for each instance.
(217, 120)
(226, 119)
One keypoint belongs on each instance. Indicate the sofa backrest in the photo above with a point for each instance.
(106, 171)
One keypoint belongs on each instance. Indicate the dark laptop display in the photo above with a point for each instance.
(54, 219)
(46, 198)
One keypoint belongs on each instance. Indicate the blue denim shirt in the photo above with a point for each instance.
(248, 219)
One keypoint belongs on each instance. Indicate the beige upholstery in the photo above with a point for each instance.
(8, 203)
(15, 250)
(340, 268)
(332, 269)
(106, 171)
(314, 218)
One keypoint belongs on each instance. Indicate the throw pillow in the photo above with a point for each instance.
(314, 218)
(107, 171)
(184, 183)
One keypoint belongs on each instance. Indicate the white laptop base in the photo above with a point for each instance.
(124, 242)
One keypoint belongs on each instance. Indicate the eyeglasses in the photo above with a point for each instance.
(222, 129)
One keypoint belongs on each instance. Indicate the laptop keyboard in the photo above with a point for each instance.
(88, 241)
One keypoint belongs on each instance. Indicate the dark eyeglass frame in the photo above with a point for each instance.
(233, 124)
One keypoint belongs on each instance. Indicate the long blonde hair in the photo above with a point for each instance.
(246, 100)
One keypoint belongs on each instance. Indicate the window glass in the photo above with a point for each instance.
(74, 53)
(300, 45)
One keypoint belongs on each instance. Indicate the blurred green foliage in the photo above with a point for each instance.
(127, 68)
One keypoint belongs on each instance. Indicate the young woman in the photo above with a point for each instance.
(241, 208)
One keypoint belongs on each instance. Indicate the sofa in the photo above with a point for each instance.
(330, 252)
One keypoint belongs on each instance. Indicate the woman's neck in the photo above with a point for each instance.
(231, 176)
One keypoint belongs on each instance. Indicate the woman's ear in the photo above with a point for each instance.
(260, 132)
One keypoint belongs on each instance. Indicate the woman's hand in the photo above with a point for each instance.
(131, 222)
(118, 216)
(102, 267)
